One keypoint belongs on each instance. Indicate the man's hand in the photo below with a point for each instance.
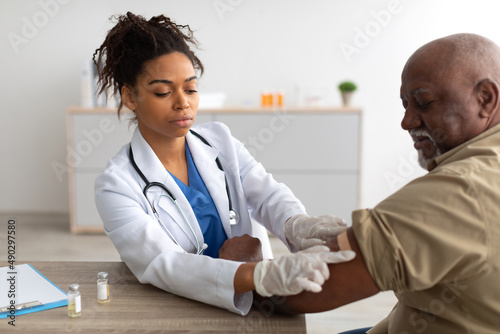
(243, 249)
(305, 231)
(291, 274)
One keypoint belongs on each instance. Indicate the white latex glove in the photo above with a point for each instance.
(293, 273)
(305, 231)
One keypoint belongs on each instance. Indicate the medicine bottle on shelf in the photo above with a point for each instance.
(266, 99)
(74, 301)
(102, 287)
(280, 99)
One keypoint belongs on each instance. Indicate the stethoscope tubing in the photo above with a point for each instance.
(199, 249)
(217, 161)
(232, 213)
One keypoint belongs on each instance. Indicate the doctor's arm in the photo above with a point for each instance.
(152, 255)
(243, 249)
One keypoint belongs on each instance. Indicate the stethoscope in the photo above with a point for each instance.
(233, 215)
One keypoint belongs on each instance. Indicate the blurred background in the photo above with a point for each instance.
(247, 47)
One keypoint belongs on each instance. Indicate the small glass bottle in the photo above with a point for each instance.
(74, 301)
(102, 287)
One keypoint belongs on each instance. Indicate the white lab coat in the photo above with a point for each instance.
(148, 250)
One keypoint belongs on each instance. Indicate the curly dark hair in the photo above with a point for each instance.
(132, 42)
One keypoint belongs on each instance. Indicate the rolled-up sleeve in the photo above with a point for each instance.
(432, 229)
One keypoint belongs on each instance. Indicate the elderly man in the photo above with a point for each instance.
(435, 242)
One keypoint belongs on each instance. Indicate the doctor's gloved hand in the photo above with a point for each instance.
(291, 274)
(305, 231)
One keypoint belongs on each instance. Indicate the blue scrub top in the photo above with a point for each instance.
(203, 207)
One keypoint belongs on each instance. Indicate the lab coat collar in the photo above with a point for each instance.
(153, 169)
(204, 158)
(146, 159)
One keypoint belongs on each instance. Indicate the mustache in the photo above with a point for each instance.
(417, 134)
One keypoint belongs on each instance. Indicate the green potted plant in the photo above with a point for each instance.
(346, 89)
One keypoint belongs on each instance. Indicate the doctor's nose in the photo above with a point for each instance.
(181, 102)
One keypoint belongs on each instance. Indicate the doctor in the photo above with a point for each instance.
(172, 197)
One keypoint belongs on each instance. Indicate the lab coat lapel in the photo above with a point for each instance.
(204, 158)
(153, 169)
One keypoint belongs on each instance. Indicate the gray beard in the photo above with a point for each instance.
(424, 161)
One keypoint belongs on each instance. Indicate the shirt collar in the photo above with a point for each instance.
(443, 158)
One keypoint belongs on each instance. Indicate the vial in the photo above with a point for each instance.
(102, 287)
(74, 301)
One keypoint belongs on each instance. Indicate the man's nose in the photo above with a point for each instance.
(411, 119)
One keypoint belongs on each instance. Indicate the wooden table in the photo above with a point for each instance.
(138, 308)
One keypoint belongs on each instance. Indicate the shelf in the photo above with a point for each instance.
(286, 141)
(235, 109)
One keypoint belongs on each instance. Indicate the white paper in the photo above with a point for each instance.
(29, 286)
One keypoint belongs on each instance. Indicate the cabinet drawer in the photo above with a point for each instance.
(299, 141)
(324, 194)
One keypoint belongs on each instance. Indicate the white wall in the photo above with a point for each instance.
(248, 45)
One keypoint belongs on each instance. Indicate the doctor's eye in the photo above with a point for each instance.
(162, 94)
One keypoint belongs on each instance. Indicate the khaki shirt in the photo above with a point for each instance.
(435, 243)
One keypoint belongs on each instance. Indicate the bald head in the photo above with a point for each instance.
(468, 57)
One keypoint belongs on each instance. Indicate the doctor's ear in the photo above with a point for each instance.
(128, 97)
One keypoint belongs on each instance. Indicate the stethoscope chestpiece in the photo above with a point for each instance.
(233, 217)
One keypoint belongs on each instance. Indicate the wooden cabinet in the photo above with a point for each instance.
(315, 152)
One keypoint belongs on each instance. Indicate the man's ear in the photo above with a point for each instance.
(489, 99)
(128, 97)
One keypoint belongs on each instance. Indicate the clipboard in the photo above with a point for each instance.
(25, 290)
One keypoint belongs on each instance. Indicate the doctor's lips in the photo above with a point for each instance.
(182, 121)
